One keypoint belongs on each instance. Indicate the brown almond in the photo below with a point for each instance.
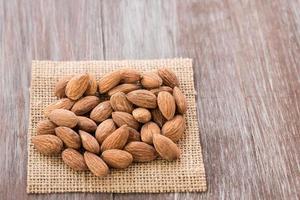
(180, 100)
(77, 86)
(92, 86)
(104, 129)
(45, 127)
(165, 147)
(101, 112)
(151, 80)
(125, 88)
(109, 81)
(68, 136)
(148, 130)
(116, 158)
(134, 135)
(157, 117)
(86, 124)
(130, 75)
(95, 164)
(60, 87)
(168, 76)
(63, 117)
(85, 105)
(47, 144)
(116, 140)
(121, 118)
(162, 88)
(141, 152)
(142, 98)
(89, 143)
(64, 103)
(74, 159)
(119, 102)
(174, 128)
(141, 115)
(166, 104)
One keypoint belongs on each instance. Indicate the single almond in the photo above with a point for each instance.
(141, 115)
(101, 112)
(77, 86)
(151, 80)
(162, 88)
(45, 127)
(157, 117)
(109, 81)
(119, 102)
(121, 118)
(85, 105)
(116, 140)
(86, 124)
(95, 164)
(166, 104)
(64, 103)
(148, 130)
(68, 136)
(116, 158)
(92, 86)
(74, 159)
(125, 88)
(180, 100)
(141, 152)
(174, 128)
(134, 135)
(89, 143)
(104, 129)
(168, 76)
(47, 144)
(60, 87)
(63, 117)
(142, 98)
(130, 75)
(165, 147)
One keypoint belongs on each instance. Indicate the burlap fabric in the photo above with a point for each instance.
(47, 174)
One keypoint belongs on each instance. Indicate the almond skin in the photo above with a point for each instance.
(95, 164)
(174, 128)
(151, 80)
(101, 112)
(162, 88)
(165, 147)
(85, 105)
(157, 117)
(109, 81)
(92, 86)
(166, 104)
(116, 158)
(45, 127)
(77, 86)
(141, 152)
(47, 144)
(74, 159)
(116, 140)
(86, 124)
(68, 136)
(63, 117)
(134, 135)
(60, 86)
(119, 102)
(180, 100)
(168, 76)
(130, 75)
(64, 103)
(89, 143)
(148, 130)
(125, 88)
(141, 115)
(142, 98)
(121, 118)
(104, 129)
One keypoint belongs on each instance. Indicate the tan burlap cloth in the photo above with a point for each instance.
(47, 174)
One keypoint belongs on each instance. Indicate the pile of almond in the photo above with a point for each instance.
(141, 119)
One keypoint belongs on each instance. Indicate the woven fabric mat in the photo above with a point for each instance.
(48, 174)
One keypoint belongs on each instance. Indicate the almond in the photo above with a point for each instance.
(77, 86)
(68, 136)
(141, 152)
(47, 144)
(125, 88)
(101, 112)
(109, 81)
(119, 102)
(168, 76)
(157, 117)
(180, 100)
(104, 129)
(89, 143)
(117, 158)
(141, 115)
(165, 147)
(116, 140)
(174, 128)
(85, 105)
(64, 103)
(63, 117)
(166, 104)
(60, 87)
(121, 118)
(45, 127)
(130, 75)
(74, 159)
(92, 86)
(151, 80)
(148, 130)
(95, 164)
(162, 88)
(134, 135)
(86, 124)
(142, 98)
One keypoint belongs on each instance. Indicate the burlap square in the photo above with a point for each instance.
(47, 174)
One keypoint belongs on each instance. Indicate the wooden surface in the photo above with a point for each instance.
(247, 67)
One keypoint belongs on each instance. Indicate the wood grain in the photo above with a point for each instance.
(246, 63)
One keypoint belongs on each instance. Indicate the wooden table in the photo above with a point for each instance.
(247, 67)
